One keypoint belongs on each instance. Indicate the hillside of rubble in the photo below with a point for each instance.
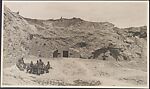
(25, 36)
(91, 39)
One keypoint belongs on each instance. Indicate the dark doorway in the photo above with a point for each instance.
(65, 53)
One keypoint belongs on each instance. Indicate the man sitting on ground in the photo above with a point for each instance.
(20, 64)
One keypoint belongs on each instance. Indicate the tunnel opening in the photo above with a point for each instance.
(65, 53)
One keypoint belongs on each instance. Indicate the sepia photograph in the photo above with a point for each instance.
(75, 44)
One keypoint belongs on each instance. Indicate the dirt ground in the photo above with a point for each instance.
(77, 72)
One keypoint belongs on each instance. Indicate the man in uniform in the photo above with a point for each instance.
(20, 64)
(41, 66)
(30, 67)
(47, 67)
(36, 68)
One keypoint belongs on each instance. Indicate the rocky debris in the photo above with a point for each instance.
(134, 81)
(86, 83)
(75, 82)
(25, 36)
(88, 37)
(15, 37)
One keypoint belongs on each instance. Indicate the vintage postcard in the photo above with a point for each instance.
(101, 44)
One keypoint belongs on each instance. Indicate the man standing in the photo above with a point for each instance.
(47, 67)
(41, 67)
(36, 68)
(30, 69)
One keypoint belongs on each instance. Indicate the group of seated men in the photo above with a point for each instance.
(38, 68)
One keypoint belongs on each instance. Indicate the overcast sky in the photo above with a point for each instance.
(122, 14)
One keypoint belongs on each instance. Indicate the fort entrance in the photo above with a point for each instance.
(65, 53)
